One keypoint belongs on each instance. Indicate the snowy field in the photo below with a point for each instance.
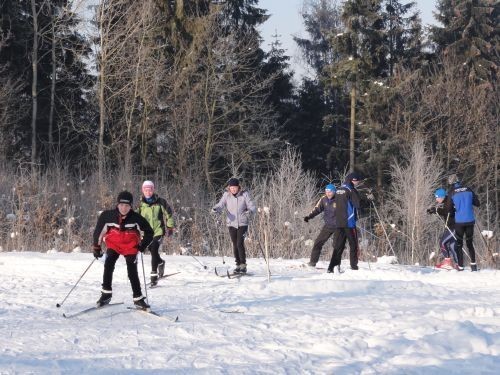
(389, 319)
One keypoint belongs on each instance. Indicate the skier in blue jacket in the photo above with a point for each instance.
(463, 199)
(348, 202)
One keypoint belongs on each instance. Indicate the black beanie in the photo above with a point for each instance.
(125, 197)
(234, 182)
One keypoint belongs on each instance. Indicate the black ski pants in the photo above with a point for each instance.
(341, 235)
(109, 267)
(154, 249)
(468, 231)
(238, 240)
(323, 236)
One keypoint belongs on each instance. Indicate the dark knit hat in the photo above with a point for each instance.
(234, 182)
(125, 197)
(354, 176)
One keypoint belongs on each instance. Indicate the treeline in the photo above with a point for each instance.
(181, 90)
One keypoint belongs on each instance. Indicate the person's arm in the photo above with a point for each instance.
(319, 208)
(167, 213)
(475, 199)
(249, 203)
(222, 203)
(101, 221)
(147, 232)
(355, 198)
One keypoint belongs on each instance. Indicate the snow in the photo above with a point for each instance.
(383, 319)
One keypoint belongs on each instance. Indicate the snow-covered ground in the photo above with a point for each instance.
(389, 319)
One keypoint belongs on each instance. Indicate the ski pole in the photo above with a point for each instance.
(205, 267)
(383, 228)
(74, 286)
(144, 276)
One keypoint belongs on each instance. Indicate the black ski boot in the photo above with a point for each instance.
(329, 270)
(473, 267)
(237, 269)
(104, 300)
(140, 303)
(243, 268)
(154, 279)
(161, 269)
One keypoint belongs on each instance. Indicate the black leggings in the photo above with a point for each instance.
(109, 267)
(468, 231)
(341, 235)
(238, 240)
(154, 248)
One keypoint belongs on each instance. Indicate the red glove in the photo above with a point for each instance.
(170, 232)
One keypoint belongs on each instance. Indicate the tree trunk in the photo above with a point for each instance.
(52, 87)
(34, 83)
(353, 128)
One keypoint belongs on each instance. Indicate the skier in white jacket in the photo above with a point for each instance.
(239, 206)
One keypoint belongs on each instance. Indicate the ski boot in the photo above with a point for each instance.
(243, 268)
(161, 269)
(473, 267)
(141, 303)
(104, 300)
(237, 269)
(154, 278)
(445, 264)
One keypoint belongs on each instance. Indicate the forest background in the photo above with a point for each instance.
(96, 96)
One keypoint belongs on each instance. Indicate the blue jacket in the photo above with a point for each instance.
(463, 199)
(327, 206)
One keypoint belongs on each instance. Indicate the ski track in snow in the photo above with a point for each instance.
(389, 319)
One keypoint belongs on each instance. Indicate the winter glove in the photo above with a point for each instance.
(170, 232)
(431, 210)
(97, 251)
(306, 219)
(370, 196)
(141, 247)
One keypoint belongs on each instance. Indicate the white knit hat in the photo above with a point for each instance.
(148, 183)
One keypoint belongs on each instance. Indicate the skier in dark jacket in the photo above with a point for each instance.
(447, 243)
(120, 229)
(463, 200)
(348, 202)
(326, 204)
(159, 215)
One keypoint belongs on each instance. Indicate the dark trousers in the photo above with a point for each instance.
(238, 240)
(323, 236)
(341, 235)
(154, 248)
(109, 267)
(468, 231)
(447, 244)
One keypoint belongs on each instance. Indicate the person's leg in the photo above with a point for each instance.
(459, 232)
(469, 234)
(133, 275)
(233, 233)
(445, 237)
(109, 267)
(240, 242)
(323, 236)
(352, 237)
(154, 248)
(340, 239)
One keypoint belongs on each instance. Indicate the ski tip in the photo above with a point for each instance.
(176, 319)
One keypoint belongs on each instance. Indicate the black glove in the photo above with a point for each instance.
(97, 251)
(306, 219)
(141, 247)
(431, 210)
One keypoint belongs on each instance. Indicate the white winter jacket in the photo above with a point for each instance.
(238, 208)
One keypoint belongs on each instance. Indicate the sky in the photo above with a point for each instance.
(286, 21)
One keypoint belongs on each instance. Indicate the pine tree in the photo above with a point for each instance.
(470, 34)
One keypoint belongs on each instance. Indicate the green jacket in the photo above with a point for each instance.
(158, 214)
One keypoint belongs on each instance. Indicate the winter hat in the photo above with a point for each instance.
(234, 182)
(452, 179)
(148, 183)
(440, 193)
(125, 197)
(353, 176)
(330, 187)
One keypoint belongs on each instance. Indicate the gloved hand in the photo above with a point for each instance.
(141, 247)
(431, 210)
(213, 211)
(370, 196)
(306, 219)
(97, 251)
(170, 232)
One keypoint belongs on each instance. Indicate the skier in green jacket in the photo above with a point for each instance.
(159, 215)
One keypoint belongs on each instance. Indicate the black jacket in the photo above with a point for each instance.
(446, 210)
(327, 206)
(348, 203)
